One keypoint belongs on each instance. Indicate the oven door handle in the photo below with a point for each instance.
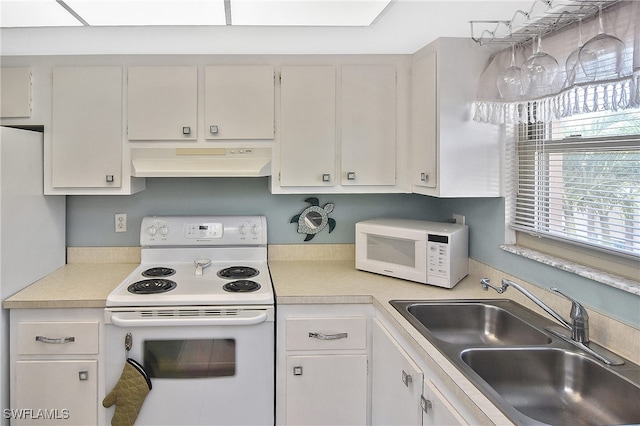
(242, 318)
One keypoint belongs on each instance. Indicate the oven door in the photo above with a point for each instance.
(207, 366)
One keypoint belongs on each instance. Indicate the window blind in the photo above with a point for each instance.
(578, 180)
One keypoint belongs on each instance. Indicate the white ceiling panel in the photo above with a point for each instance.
(149, 12)
(306, 12)
(35, 13)
(404, 27)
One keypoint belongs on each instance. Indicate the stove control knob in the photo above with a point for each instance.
(243, 229)
(152, 230)
(255, 230)
(164, 230)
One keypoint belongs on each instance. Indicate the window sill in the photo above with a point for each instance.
(612, 280)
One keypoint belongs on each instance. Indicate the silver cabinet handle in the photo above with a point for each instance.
(321, 336)
(186, 130)
(424, 177)
(326, 177)
(425, 404)
(351, 175)
(59, 341)
(406, 378)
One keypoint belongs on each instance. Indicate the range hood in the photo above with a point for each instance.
(200, 162)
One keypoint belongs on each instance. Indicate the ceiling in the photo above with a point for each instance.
(355, 27)
(65, 13)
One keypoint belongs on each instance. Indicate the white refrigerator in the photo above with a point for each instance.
(32, 227)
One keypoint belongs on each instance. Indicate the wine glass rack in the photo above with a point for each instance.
(542, 18)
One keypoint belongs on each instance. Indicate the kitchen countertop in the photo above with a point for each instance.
(86, 285)
(338, 282)
(75, 285)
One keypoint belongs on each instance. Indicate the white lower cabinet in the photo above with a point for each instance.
(401, 391)
(396, 382)
(55, 367)
(437, 409)
(322, 365)
(326, 389)
(57, 392)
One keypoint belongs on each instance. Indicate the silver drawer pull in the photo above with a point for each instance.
(321, 336)
(59, 341)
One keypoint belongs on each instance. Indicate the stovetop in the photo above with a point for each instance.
(199, 261)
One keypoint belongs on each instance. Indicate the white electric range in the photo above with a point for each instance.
(200, 313)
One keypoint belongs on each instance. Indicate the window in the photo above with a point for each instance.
(578, 180)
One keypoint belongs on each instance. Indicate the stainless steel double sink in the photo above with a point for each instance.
(532, 376)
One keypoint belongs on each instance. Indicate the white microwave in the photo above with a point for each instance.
(435, 253)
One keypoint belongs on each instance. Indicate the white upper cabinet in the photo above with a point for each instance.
(424, 129)
(368, 125)
(452, 156)
(239, 102)
(86, 142)
(162, 103)
(308, 126)
(15, 92)
(338, 129)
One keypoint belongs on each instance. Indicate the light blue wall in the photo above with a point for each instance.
(90, 222)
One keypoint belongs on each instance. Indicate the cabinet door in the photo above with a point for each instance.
(239, 102)
(437, 410)
(15, 92)
(368, 125)
(424, 122)
(69, 395)
(162, 103)
(308, 126)
(326, 390)
(86, 147)
(396, 382)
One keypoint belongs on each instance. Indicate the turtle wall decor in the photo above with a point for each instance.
(314, 218)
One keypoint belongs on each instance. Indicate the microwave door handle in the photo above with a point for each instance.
(248, 318)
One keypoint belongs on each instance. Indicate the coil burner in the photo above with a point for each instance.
(158, 272)
(152, 286)
(241, 286)
(238, 272)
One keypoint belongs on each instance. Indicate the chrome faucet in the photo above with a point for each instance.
(579, 325)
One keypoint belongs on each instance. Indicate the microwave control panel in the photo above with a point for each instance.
(438, 255)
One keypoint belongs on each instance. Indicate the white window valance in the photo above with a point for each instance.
(568, 96)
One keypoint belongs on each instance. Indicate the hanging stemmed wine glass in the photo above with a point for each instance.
(539, 72)
(572, 64)
(509, 81)
(601, 57)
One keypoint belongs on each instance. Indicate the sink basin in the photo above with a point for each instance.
(470, 323)
(556, 386)
(531, 376)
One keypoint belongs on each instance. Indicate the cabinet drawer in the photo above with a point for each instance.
(53, 338)
(326, 333)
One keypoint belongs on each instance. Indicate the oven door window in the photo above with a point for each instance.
(188, 359)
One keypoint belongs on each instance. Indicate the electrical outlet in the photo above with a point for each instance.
(121, 222)
(458, 218)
